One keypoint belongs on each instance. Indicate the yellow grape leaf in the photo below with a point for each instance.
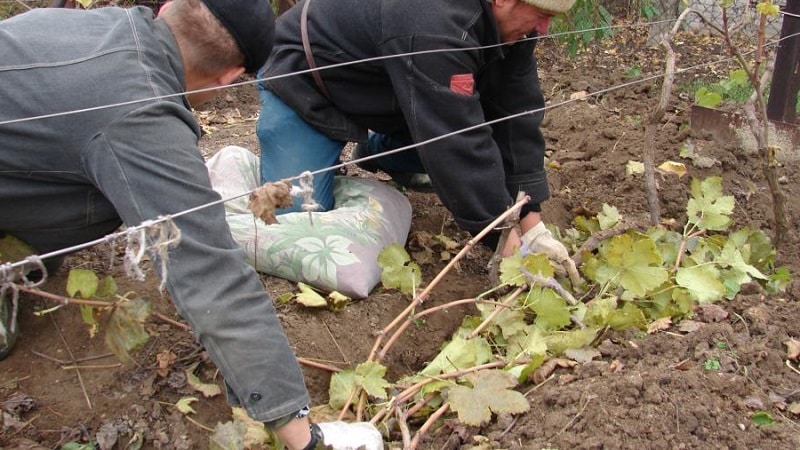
(634, 168)
(459, 354)
(528, 342)
(368, 376)
(256, 436)
(207, 389)
(552, 312)
(184, 405)
(398, 271)
(342, 385)
(490, 393)
(673, 167)
(609, 217)
(631, 261)
(82, 281)
(768, 9)
(309, 297)
(702, 282)
(338, 300)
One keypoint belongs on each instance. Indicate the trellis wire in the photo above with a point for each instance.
(169, 235)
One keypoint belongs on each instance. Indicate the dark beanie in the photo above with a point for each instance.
(252, 25)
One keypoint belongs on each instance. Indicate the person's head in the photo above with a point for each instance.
(219, 39)
(519, 18)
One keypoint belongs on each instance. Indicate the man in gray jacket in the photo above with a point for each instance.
(438, 71)
(96, 130)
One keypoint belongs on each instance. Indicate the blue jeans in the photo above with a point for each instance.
(291, 146)
(407, 161)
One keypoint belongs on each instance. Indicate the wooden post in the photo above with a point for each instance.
(786, 77)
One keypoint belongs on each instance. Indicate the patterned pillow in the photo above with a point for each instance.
(335, 250)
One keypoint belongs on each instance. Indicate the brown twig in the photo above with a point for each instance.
(71, 355)
(79, 360)
(65, 300)
(427, 425)
(336, 343)
(93, 367)
(174, 323)
(316, 365)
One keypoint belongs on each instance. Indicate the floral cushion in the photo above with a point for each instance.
(335, 250)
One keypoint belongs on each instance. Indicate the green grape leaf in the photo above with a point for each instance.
(524, 371)
(707, 208)
(72, 445)
(125, 330)
(13, 249)
(399, 271)
(368, 376)
(83, 282)
(632, 262)
(629, 316)
(511, 270)
(587, 225)
(510, 321)
(762, 419)
(609, 217)
(707, 98)
(528, 342)
(779, 280)
(599, 310)
(310, 297)
(741, 271)
(702, 282)
(490, 393)
(560, 341)
(372, 378)
(552, 312)
(341, 387)
(87, 314)
(458, 354)
(107, 288)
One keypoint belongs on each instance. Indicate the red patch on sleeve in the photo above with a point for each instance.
(462, 83)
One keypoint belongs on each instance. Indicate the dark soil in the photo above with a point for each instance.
(647, 390)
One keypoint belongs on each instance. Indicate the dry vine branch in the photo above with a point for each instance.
(651, 187)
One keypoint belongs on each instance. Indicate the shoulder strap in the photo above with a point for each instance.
(307, 49)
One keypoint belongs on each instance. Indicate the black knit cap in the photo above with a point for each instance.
(252, 25)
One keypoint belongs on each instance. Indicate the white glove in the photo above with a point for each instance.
(351, 436)
(539, 240)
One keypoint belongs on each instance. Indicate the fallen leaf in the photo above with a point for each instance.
(207, 389)
(184, 405)
(165, 360)
(794, 408)
(580, 95)
(266, 199)
(634, 168)
(659, 325)
(582, 355)
(673, 167)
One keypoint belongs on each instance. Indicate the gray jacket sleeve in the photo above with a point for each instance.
(148, 165)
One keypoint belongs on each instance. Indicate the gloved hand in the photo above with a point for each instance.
(539, 240)
(351, 436)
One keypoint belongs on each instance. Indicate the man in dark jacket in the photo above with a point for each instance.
(461, 64)
(96, 130)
